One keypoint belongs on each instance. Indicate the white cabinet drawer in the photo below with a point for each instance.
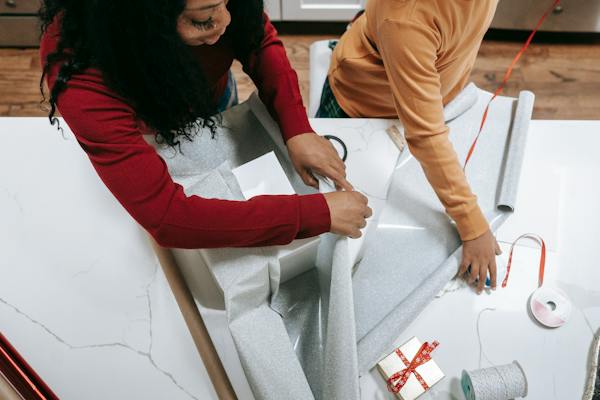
(574, 16)
(273, 9)
(320, 10)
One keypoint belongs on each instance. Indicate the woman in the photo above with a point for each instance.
(406, 59)
(119, 69)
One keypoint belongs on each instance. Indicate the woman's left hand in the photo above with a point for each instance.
(310, 153)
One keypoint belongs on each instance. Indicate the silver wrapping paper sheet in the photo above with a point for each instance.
(312, 336)
(415, 251)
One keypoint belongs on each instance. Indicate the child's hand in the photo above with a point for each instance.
(479, 257)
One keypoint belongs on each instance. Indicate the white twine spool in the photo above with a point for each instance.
(501, 382)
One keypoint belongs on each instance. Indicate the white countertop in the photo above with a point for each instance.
(83, 299)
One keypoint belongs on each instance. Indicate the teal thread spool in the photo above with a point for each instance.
(500, 273)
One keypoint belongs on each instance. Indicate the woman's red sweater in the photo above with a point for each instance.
(106, 129)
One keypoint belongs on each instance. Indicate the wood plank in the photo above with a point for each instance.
(33, 109)
(564, 77)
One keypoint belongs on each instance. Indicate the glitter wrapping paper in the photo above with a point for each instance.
(312, 336)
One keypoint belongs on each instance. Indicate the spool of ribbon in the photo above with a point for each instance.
(507, 74)
(549, 306)
(397, 381)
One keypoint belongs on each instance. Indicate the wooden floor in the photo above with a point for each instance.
(564, 77)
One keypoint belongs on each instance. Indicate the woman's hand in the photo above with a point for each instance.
(310, 153)
(349, 211)
(479, 257)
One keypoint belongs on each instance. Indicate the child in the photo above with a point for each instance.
(406, 59)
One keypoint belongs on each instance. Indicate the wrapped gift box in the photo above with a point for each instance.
(409, 370)
(265, 175)
(371, 171)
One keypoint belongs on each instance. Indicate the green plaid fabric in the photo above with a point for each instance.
(329, 107)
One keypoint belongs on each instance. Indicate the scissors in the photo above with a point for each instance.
(341, 143)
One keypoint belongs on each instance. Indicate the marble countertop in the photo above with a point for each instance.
(83, 299)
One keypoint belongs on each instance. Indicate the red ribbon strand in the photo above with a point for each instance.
(542, 257)
(506, 77)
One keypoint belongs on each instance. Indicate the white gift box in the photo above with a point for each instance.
(369, 169)
(429, 371)
(264, 175)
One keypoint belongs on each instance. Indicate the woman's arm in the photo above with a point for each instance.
(138, 177)
(278, 88)
(277, 84)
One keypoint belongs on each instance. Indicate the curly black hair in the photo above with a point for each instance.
(114, 36)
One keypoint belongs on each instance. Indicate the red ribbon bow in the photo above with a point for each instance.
(422, 356)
